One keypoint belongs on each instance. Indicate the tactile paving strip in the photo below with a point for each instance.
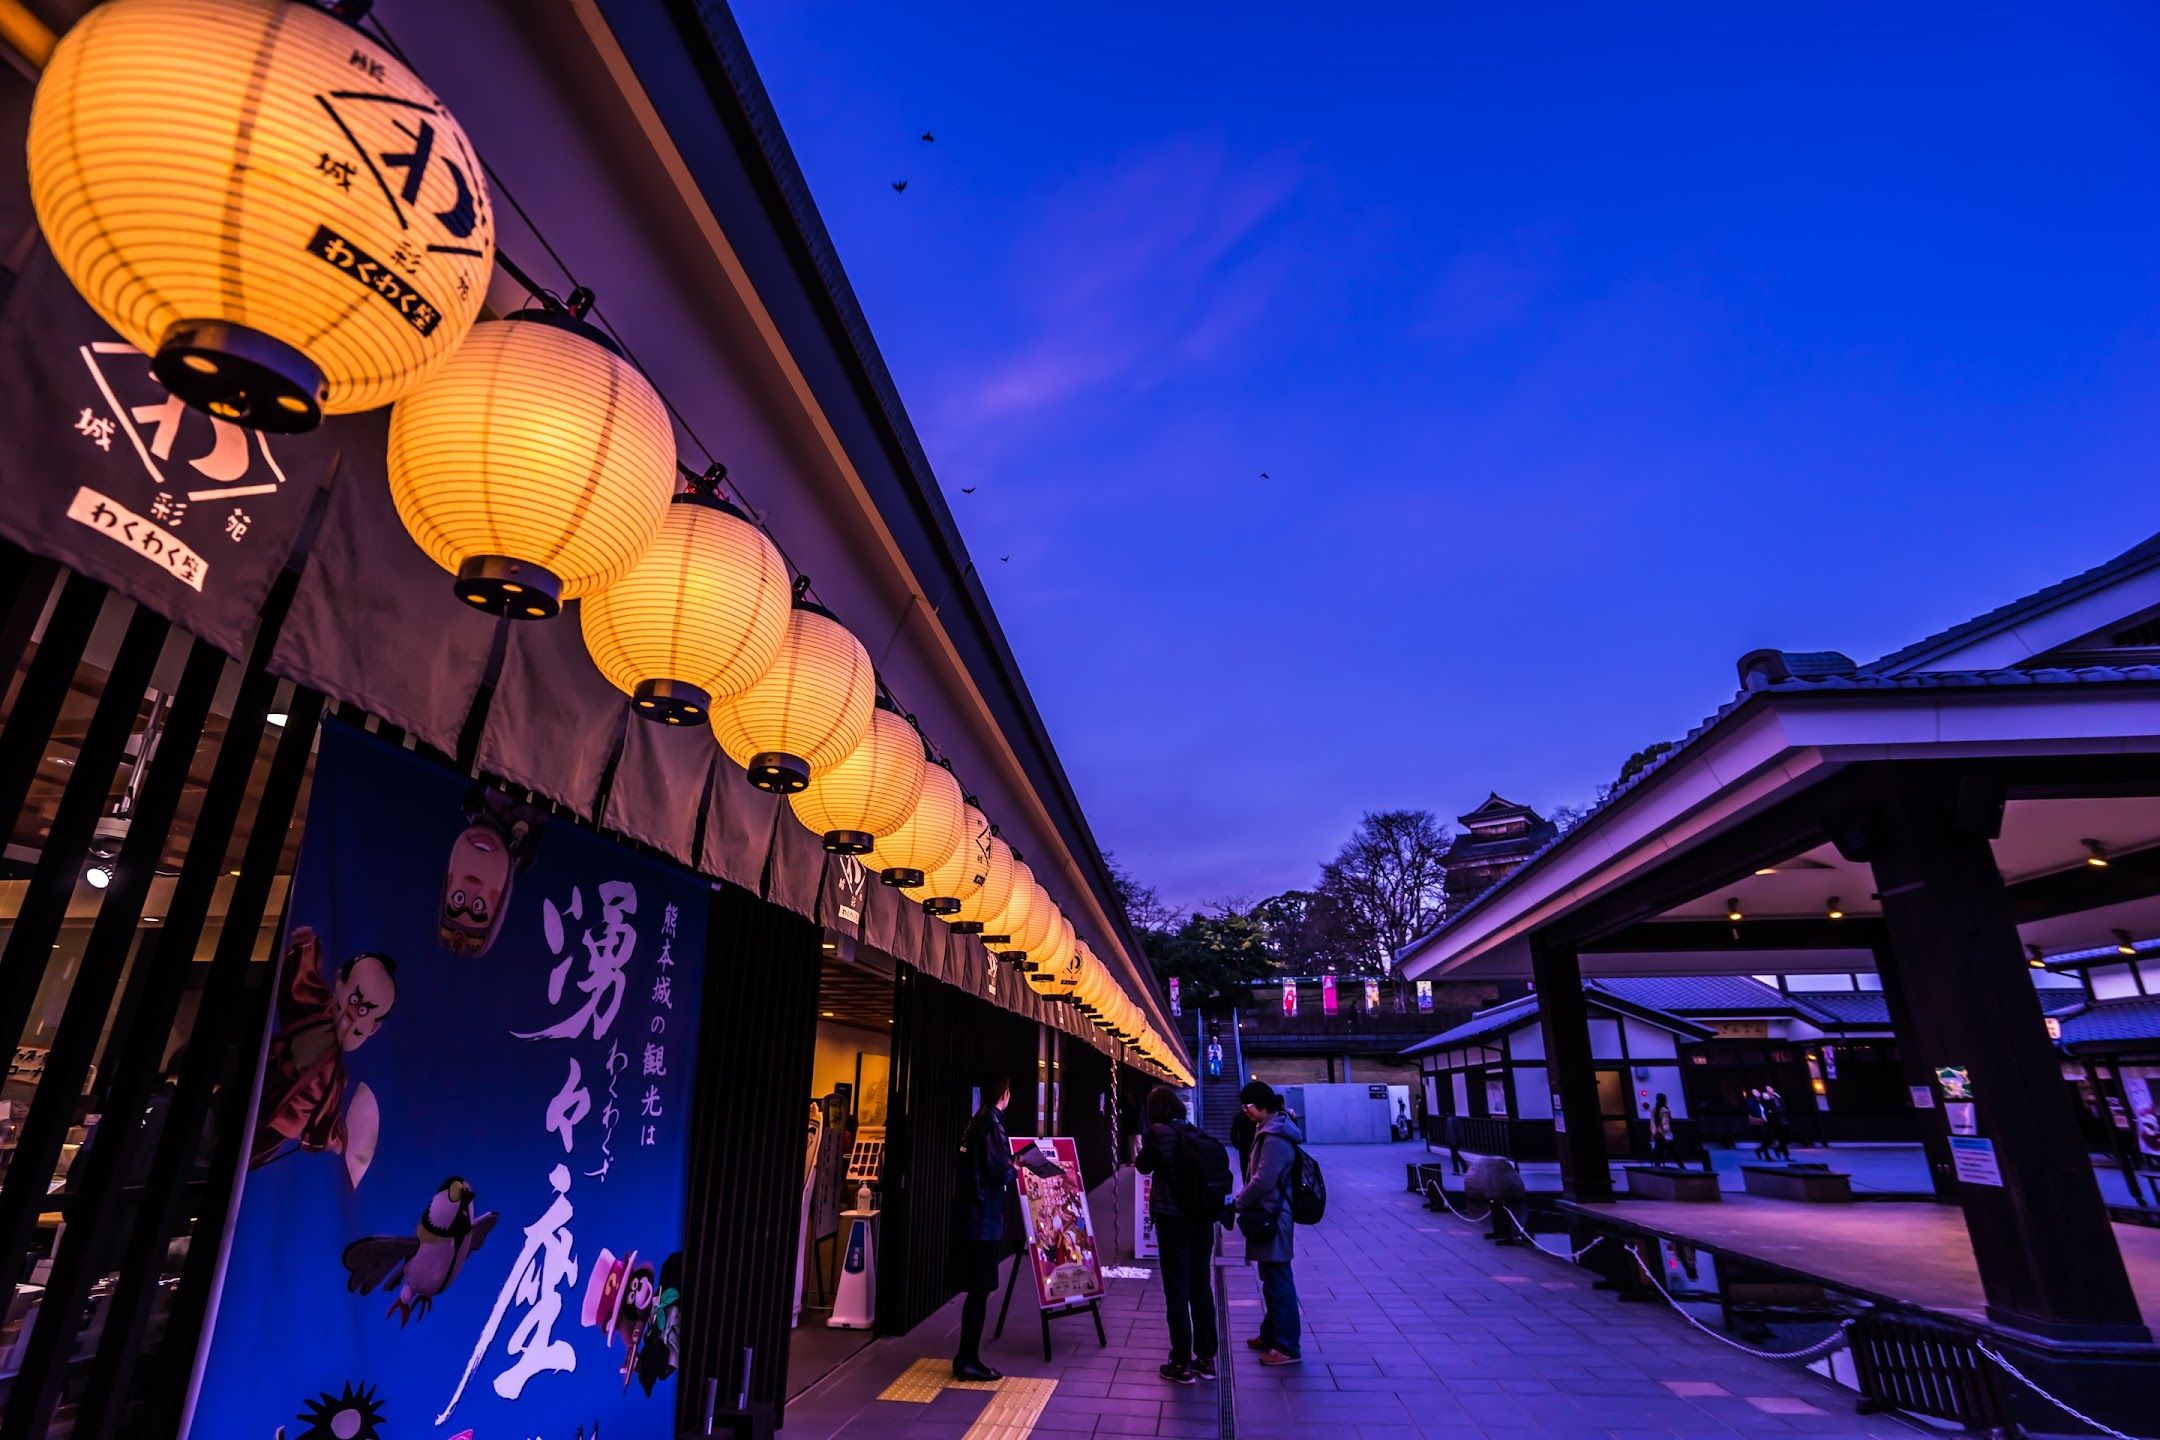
(921, 1381)
(1013, 1410)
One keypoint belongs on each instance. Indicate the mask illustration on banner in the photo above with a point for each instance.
(505, 1116)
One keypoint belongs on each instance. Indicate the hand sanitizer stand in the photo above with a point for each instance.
(855, 1306)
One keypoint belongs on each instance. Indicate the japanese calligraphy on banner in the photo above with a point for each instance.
(1424, 996)
(1054, 1210)
(1289, 997)
(463, 1203)
(110, 474)
(1327, 994)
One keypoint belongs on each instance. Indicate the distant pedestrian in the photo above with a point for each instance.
(1661, 1138)
(985, 1175)
(1214, 1060)
(1263, 1211)
(1758, 1119)
(1185, 1203)
(1777, 1123)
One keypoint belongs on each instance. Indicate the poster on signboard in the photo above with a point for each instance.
(1327, 994)
(1289, 998)
(462, 1207)
(1054, 1210)
(1372, 997)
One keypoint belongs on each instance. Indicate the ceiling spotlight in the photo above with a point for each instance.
(1732, 907)
(826, 1014)
(98, 876)
(277, 718)
(1835, 912)
(1767, 870)
(2096, 854)
(2035, 958)
(2124, 945)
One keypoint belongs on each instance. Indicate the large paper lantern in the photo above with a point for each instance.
(1042, 959)
(536, 466)
(699, 617)
(966, 870)
(263, 199)
(990, 898)
(1042, 918)
(807, 712)
(920, 845)
(1000, 929)
(870, 792)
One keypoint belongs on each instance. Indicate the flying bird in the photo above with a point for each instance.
(898, 186)
(1263, 475)
(423, 1263)
(928, 138)
(967, 489)
(1004, 557)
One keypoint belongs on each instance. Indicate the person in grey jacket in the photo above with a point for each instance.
(1267, 1196)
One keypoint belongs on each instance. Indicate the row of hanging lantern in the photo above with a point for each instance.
(274, 207)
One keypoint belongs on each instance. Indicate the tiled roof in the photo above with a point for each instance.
(2113, 1022)
(1865, 1008)
(1968, 679)
(1684, 994)
(1477, 1027)
(2136, 557)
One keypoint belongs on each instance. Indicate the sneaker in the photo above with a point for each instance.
(1177, 1375)
(1205, 1369)
(1256, 1343)
(1276, 1357)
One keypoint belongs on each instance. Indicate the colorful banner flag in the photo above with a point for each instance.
(1372, 997)
(465, 1188)
(1327, 994)
(1424, 996)
(1289, 997)
(1175, 1007)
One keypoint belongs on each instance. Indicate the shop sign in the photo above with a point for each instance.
(464, 1193)
(1740, 1029)
(1054, 1211)
(1923, 1097)
(1974, 1160)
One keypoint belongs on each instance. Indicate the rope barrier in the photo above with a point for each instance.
(2078, 1415)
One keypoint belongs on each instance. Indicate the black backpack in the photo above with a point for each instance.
(1308, 1189)
(1203, 1173)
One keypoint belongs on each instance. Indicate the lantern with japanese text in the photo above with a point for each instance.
(947, 888)
(988, 902)
(699, 617)
(920, 845)
(536, 466)
(807, 712)
(870, 792)
(264, 200)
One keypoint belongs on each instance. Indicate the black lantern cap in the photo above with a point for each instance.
(501, 585)
(242, 375)
(779, 773)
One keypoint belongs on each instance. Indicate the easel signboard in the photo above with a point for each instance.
(1061, 1252)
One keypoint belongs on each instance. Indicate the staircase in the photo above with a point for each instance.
(1218, 1098)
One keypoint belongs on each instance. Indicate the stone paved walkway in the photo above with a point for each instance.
(1415, 1329)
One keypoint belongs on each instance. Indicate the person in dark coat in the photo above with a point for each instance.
(985, 1177)
(1185, 1243)
(1242, 1131)
(1267, 1193)
(1777, 1123)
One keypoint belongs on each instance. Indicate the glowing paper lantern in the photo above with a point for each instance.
(966, 870)
(1041, 922)
(870, 792)
(1000, 932)
(699, 617)
(989, 900)
(807, 712)
(1042, 957)
(918, 848)
(263, 199)
(536, 466)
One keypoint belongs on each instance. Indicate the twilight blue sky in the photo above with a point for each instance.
(1583, 348)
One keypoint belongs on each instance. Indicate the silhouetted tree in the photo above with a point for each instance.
(1387, 881)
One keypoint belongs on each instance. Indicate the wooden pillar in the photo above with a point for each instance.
(1585, 1174)
(2045, 1249)
(1919, 1077)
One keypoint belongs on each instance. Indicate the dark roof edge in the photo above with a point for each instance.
(793, 213)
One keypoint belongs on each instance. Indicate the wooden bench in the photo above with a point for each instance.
(1815, 1183)
(1655, 1182)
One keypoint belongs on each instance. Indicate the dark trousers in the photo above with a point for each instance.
(1280, 1329)
(978, 1270)
(1188, 1282)
(1662, 1151)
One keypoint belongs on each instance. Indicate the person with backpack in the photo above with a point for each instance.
(980, 1185)
(1192, 1185)
(1266, 1218)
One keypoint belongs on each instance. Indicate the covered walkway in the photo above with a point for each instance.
(1415, 1329)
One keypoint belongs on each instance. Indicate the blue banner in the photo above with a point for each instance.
(462, 1212)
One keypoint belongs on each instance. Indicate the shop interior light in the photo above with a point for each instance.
(2035, 958)
(698, 617)
(807, 712)
(2096, 854)
(920, 845)
(1832, 909)
(234, 186)
(869, 793)
(1732, 909)
(99, 876)
(536, 466)
(2124, 945)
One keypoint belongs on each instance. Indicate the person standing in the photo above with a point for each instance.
(1184, 1242)
(1758, 1119)
(1661, 1140)
(1263, 1211)
(985, 1175)
(1777, 1124)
